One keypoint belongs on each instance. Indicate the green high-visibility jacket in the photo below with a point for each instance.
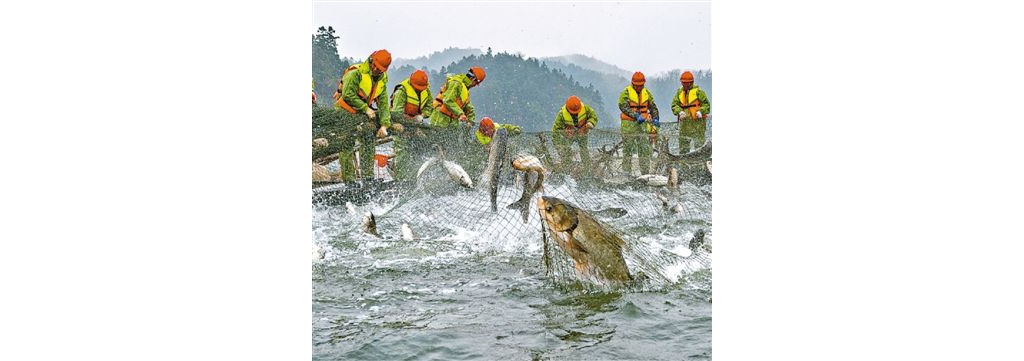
(457, 87)
(405, 94)
(362, 77)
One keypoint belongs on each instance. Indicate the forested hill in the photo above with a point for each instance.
(585, 62)
(521, 91)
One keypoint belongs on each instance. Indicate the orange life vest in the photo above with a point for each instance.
(414, 100)
(690, 98)
(637, 102)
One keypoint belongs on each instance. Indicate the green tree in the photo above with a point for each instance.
(327, 64)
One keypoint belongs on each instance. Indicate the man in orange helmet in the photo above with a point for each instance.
(692, 107)
(639, 120)
(361, 91)
(572, 123)
(411, 99)
(452, 104)
(485, 132)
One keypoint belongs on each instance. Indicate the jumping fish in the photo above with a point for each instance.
(596, 251)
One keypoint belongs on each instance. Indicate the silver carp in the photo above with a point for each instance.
(370, 224)
(653, 180)
(495, 161)
(532, 169)
(454, 170)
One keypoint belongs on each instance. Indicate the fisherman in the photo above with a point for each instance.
(485, 132)
(571, 125)
(639, 117)
(692, 107)
(361, 91)
(452, 103)
(411, 98)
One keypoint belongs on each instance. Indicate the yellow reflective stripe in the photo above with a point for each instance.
(465, 92)
(410, 94)
(691, 95)
(568, 116)
(639, 99)
(366, 83)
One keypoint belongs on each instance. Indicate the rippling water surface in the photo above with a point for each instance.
(470, 295)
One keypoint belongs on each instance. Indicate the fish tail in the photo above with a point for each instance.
(520, 204)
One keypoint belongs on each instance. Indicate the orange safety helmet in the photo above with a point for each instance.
(638, 78)
(381, 59)
(418, 79)
(487, 126)
(686, 77)
(478, 74)
(573, 105)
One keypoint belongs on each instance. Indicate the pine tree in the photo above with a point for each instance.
(327, 64)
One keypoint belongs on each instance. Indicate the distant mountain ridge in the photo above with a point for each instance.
(586, 62)
(437, 59)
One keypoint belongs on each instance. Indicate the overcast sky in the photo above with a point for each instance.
(651, 37)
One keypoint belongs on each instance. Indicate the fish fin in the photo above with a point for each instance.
(574, 244)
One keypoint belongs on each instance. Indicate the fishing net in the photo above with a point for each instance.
(657, 222)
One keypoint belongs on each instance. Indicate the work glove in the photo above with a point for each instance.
(382, 132)
(656, 123)
(639, 119)
(699, 115)
(682, 115)
(370, 113)
(419, 118)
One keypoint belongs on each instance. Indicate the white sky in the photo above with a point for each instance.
(652, 37)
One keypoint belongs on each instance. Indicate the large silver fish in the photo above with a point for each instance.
(595, 250)
(654, 180)
(454, 170)
(370, 224)
(532, 169)
(495, 161)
